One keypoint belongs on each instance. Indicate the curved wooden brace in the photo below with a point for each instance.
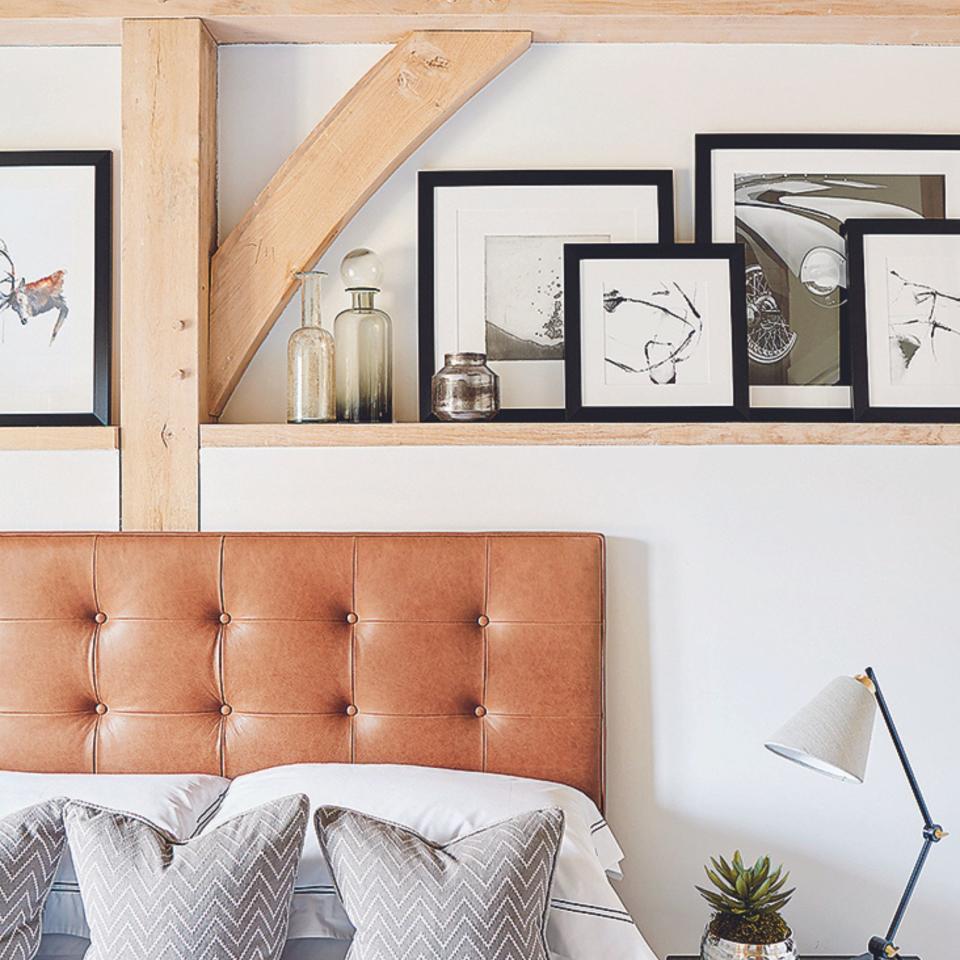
(407, 95)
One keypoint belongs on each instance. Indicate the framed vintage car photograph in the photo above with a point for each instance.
(655, 332)
(904, 319)
(55, 288)
(785, 197)
(491, 267)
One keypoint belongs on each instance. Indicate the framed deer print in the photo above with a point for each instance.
(55, 287)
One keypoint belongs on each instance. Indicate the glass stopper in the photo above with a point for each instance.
(361, 269)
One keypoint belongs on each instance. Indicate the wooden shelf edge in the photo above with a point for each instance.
(268, 435)
(59, 438)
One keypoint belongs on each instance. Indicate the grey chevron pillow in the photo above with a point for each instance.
(480, 897)
(31, 844)
(224, 895)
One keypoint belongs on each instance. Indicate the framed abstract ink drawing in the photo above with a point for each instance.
(905, 319)
(655, 332)
(491, 267)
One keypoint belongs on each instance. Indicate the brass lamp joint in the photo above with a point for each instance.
(866, 681)
(935, 833)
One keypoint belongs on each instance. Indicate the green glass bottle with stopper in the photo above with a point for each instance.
(364, 341)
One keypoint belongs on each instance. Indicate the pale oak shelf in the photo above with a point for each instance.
(269, 435)
(59, 438)
(555, 21)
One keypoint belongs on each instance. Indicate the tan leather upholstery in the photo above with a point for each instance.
(224, 654)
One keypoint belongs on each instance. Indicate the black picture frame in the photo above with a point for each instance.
(430, 180)
(855, 231)
(707, 143)
(102, 163)
(732, 253)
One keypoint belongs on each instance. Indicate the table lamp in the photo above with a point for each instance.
(831, 734)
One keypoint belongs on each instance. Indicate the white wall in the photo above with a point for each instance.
(741, 579)
(65, 98)
(59, 490)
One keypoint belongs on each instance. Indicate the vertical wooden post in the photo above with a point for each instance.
(168, 226)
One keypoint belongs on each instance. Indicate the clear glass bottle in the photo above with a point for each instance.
(311, 394)
(364, 345)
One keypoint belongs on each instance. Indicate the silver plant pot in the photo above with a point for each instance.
(713, 947)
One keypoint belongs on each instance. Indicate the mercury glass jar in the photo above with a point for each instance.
(364, 344)
(713, 947)
(466, 388)
(311, 397)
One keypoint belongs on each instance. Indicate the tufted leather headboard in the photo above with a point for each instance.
(228, 653)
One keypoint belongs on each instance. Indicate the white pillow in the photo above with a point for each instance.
(587, 918)
(177, 803)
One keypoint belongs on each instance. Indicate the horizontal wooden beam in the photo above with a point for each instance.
(373, 21)
(59, 438)
(401, 100)
(574, 434)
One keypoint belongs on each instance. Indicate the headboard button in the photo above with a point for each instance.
(483, 620)
(480, 711)
(226, 709)
(352, 710)
(100, 617)
(352, 618)
(224, 617)
(101, 708)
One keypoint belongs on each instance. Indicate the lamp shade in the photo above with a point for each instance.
(831, 734)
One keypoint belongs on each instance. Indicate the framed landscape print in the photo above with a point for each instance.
(655, 332)
(785, 198)
(904, 319)
(55, 287)
(491, 267)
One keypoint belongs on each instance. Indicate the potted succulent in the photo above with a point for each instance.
(747, 902)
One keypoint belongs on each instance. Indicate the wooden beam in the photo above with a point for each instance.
(168, 226)
(407, 95)
(372, 21)
(274, 435)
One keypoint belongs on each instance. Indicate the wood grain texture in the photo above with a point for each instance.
(354, 21)
(168, 225)
(405, 97)
(573, 434)
(59, 438)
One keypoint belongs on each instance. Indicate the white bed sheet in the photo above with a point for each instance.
(59, 946)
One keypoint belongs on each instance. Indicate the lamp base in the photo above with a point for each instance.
(878, 949)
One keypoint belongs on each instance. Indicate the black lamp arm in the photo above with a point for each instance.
(883, 947)
(901, 752)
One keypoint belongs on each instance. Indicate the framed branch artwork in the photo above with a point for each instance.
(904, 319)
(785, 197)
(55, 288)
(491, 267)
(655, 332)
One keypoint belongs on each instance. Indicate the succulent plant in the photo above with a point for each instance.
(746, 893)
